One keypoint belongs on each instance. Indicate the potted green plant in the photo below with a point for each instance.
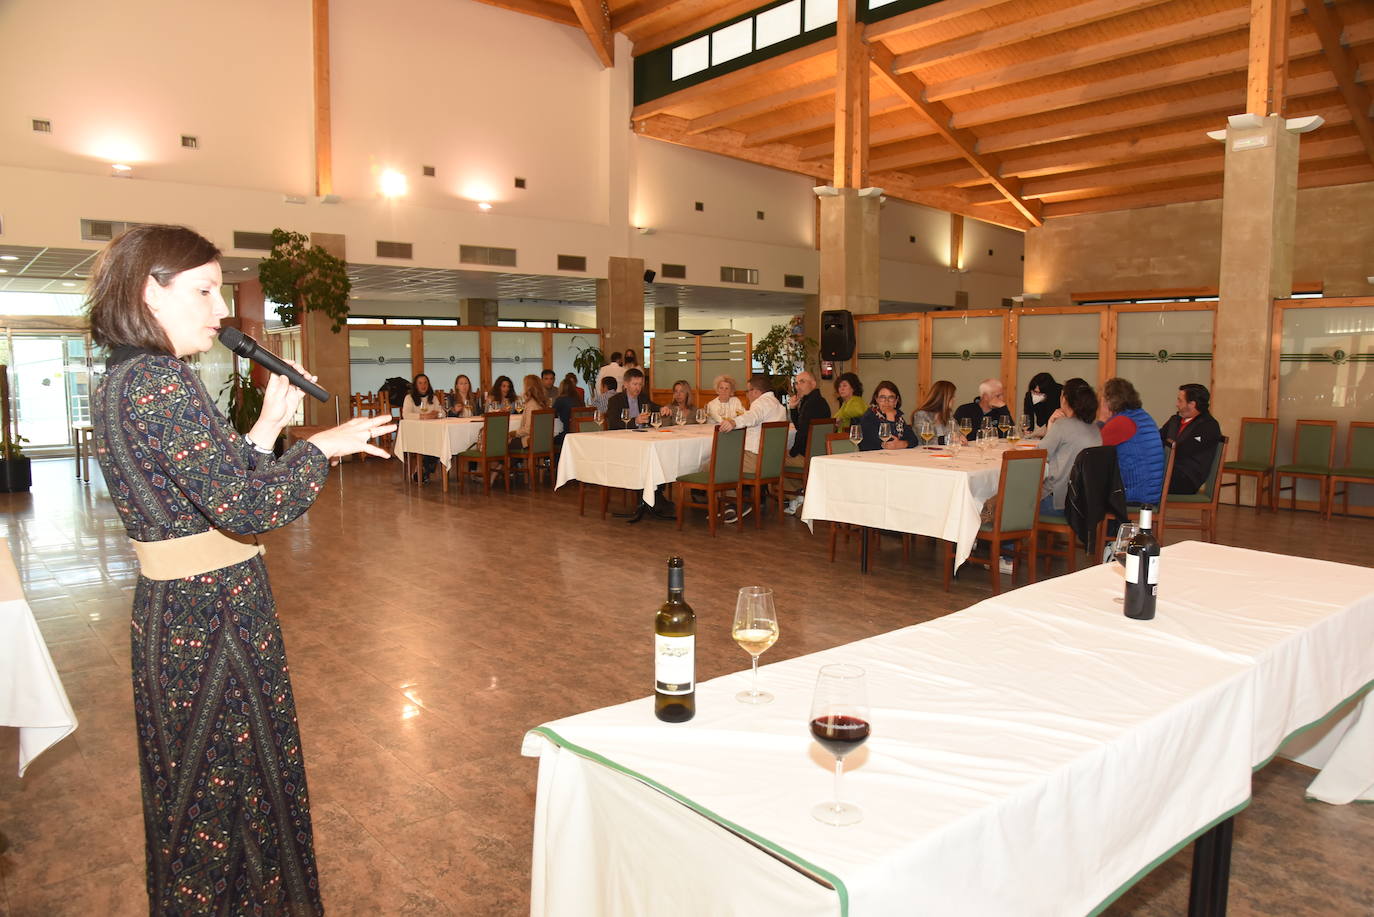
(784, 350)
(301, 277)
(245, 400)
(588, 361)
(16, 472)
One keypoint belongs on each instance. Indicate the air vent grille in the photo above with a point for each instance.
(189, 142)
(394, 250)
(102, 230)
(961, 299)
(42, 125)
(794, 281)
(674, 271)
(572, 262)
(253, 241)
(739, 275)
(482, 254)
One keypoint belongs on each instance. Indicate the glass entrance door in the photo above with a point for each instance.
(50, 384)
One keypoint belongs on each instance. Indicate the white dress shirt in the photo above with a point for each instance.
(764, 409)
(429, 405)
(718, 411)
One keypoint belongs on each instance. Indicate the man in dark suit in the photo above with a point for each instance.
(1196, 435)
(991, 403)
(807, 405)
(632, 398)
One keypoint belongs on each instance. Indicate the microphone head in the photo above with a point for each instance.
(235, 340)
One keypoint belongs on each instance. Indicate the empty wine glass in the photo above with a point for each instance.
(625, 416)
(1027, 425)
(755, 630)
(656, 420)
(680, 416)
(856, 433)
(840, 723)
(954, 446)
(984, 442)
(885, 431)
(702, 415)
(598, 415)
(1124, 534)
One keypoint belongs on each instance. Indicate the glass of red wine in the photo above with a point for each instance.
(840, 723)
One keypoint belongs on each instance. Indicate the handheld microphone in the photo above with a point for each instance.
(250, 349)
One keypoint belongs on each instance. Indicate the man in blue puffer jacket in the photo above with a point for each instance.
(1139, 452)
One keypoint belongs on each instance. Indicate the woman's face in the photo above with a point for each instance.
(680, 394)
(506, 388)
(724, 390)
(886, 399)
(422, 384)
(463, 385)
(844, 389)
(189, 309)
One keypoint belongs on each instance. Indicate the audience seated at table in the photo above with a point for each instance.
(502, 395)
(569, 397)
(1139, 451)
(850, 406)
(1041, 399)
(886, 407)
(581, 392)
(550, 387)
(681, 402)
(725, 405)
(1072, 428)
(938, 411)
(808, 405)
(991, 404)
(423, 403)
(764, 407)
(614, 370)
(534, 400)
(634, 399)
(463, 401)
(607, 386)
(1195, 434)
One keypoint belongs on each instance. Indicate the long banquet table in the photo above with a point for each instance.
(635, 459)
(31, 693)
(1033, 754)
(443, 439)
(921, 491)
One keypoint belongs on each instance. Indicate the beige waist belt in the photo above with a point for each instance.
(191, 555)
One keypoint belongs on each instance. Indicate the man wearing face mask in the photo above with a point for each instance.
(1042, 399)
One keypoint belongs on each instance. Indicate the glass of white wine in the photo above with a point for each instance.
(885, 431)
(926, 432)
(755, 630)
(1004, 424)
(1013, 434)
(856, 433)
(965, 427)
(702, 415)
(625, 416)
(656, 420)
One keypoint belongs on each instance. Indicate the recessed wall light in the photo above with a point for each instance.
(68, 283)
(393, 183)
(120, 170)
(483, 205)
(4, 270)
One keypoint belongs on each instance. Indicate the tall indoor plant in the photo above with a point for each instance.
(784, 350)
(588, 361)
(301, 277)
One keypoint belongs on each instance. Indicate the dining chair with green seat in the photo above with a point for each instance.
(540, 447)
(489, 454)
(723, 472)
(1203, 503)
(589, 424)
(1014, 517)
(1314, 454)
(816, 432)
(1358, 467)
(1259, 439)
(772, 451)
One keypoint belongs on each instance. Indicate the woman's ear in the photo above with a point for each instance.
(153, 295)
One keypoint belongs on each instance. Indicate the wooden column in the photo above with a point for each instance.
(851, 99)
(325, 352)
(956, 241)
(324, 155)
(1268, 64)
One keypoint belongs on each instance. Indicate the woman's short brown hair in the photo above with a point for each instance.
(115, 306)
(1120, 395)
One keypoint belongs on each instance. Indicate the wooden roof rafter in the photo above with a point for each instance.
(1343, 68)
(595, 18)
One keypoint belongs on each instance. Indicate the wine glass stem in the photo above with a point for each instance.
(754, 692)
(839, 772)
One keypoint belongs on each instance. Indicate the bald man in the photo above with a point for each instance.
(991, 402)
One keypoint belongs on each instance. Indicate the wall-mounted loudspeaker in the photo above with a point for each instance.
(837, 334)
(649, 276)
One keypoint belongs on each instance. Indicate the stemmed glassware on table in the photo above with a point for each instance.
(702, 415)
(1013, 433)
(1027, 426)
(656, 419)
(926, 432)
(965, 427)
(755, 630)
(625, 416)
(598, 415)
(984, 441)
(1117, 552)
(885, 431)
(840, 723)
(1004, 424)
(856, 433)
(680, 416)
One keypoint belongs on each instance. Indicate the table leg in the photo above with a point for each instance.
(86, 459)
(76, 435)
(1211, 871)
(863, 549)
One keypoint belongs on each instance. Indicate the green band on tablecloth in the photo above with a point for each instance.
(1314, 724)
(786, 855)
(1168, 854)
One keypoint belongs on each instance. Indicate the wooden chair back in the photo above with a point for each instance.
(1314, 443)
(1204, 502)
(1018, 490)
(1259, 440)
(727, 456)
(840, 444)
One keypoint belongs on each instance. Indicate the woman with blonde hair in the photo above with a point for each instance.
(725, 406)
(535, 398)
(463, 400)
(938, 411)
(681, 401)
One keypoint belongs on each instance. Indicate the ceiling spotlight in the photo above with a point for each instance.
(483, 205)
(1243, 122)
(9, 257)
(120, 170)
(1304, 125)
(870, 192)
(826, 191)
(393, 183)
(644, 230)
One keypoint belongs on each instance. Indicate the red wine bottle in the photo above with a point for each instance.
(1142, 570)
(675, 630)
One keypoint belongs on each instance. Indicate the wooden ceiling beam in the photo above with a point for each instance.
(763, 105)
(939, 116)
(1344, 69)
(1267, 61)
(796, 127)
(1026, 29)
(733, 80)
(544, 9)
(1203, 192)
(949, 177)
(1088, 55)
(693, 25)
(910, 159)
(926, 16)
(632, 15)
(851, 100)
(595, 19)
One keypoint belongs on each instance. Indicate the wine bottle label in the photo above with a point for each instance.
(1133, 564)
(674, 664)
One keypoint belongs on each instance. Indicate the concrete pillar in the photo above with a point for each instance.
(1259, 204)
(324, 352)
(665, 319)
(620, 305)
(250, 310)
(478, 312)
(849, 257)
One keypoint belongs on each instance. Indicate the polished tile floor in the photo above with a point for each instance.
(426, 632)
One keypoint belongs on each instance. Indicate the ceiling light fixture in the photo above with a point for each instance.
(120, 170)
(393, 183)
(483, 205)
(9, 257)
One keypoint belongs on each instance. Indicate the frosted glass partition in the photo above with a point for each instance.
(565, 348)
(888, 350)
(516, 354)
(1159, 351)
(1064, 346)
(966, 351)
(375, 356)
(675, 357)
(724, 352)
(448, 353)
(1326, 372)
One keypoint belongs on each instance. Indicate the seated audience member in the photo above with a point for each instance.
(550, 387)
(1139, 451)
(938, 411)
(1196, 435)
(886, 407)
(463, 400)
(991, 403)
(764, 407)
(535, 400)
(634, 399)
(563, 407)
(608, 387)
(725, 405)
(1072, 428)
(682, 402)
(851, 407)
(581, 392)
(423, 403)
(502, 395)
(1041, 400)
(808, 404)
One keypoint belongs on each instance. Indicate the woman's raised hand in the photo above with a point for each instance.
(353, 436)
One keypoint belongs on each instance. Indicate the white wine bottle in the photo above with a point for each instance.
(675, 640)
(1142, 570)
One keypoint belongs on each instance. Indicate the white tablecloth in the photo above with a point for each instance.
(441, 438)
(1030, 755)
(907, 490)
(635, 459)
(31, 694)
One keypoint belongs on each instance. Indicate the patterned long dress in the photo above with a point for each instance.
(224, 797)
